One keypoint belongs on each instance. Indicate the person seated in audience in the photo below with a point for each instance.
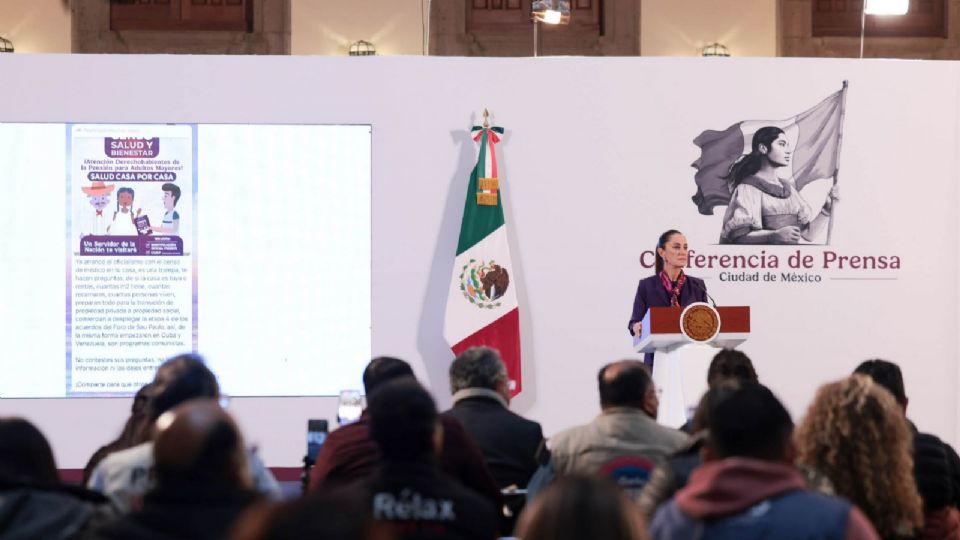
(856, 435)
(731, 364)
(578, 507)
(675, 472)
(728, 370)
(509, 442)
(203, 482)
(936, 466)
(33, 502)
(337, 514)
(124, 476)
(481, 397)
(350, 454)
(409, 492)
(748, 486)
(626, 428)
(133, 432)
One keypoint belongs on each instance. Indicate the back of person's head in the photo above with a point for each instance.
(403, 420)
(382, 369)
(624, 384)
(341, 514)
(886, 374)
(199, 444)
(576, 507)
(714, 395)
(857, 436)
(750, 422)
(25, 455)
(477, 367)
(181, 379)
(731, 364)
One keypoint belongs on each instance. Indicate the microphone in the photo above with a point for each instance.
(704, 289)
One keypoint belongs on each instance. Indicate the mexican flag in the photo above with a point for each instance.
(814, 136)
(482, 300)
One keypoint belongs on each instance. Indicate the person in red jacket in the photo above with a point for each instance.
(350, 454)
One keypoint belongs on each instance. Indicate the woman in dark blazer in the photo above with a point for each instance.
(668, 286)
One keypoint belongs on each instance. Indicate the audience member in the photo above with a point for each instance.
(410, 492)
(728, 371)
(577, 507)
(509, 442)
(856, 435)
(481, 397)
(731, 364)
(726, 366)
(133, 432)
(124, 476)
(350, 454)
(203, 481)
(33, 502)
(675, 472)
(936, 466)
(340, 514)
(625, 428)
(748, 487)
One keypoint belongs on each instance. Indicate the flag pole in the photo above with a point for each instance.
(836, 172)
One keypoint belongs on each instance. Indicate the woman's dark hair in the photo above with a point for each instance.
(578, 506)
(731, 364)
(662, 243)
(124, 190)
(403, 419)
(749, 164)
(25, 455)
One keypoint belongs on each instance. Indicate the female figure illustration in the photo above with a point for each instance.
(123, 224)
(765, 209)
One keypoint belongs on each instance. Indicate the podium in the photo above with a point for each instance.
(680, 362)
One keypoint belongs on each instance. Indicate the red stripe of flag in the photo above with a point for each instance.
(502, 334)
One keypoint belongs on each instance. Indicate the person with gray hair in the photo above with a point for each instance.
(481, 400)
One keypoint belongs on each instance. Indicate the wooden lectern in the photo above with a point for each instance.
(680, 363)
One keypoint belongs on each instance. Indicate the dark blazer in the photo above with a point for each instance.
(508, 441)
(651, 293)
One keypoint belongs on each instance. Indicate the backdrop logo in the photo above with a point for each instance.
(758, 169)
(795, 267)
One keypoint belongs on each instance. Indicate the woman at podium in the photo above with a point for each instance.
(668, 286)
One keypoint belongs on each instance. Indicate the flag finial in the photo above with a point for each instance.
(486, 119)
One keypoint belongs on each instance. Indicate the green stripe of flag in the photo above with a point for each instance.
(478, 221)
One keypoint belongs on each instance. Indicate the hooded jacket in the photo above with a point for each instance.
(740, 498)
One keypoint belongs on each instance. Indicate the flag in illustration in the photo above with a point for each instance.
(814, 136)
(482, 301)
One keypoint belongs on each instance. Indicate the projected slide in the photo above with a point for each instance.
(249, 244)
(133, 286)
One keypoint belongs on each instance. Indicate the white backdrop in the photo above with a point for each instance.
(595, 164)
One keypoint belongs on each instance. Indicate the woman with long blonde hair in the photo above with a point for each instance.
(855, 434)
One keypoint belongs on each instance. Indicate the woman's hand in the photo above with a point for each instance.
(638, 328)
(787, 235)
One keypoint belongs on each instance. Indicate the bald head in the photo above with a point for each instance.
(198, 443)
(625, 383)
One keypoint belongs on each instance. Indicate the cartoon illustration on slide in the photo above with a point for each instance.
(171, 219)
(758, 169)
(98, 194)
(123, 217)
